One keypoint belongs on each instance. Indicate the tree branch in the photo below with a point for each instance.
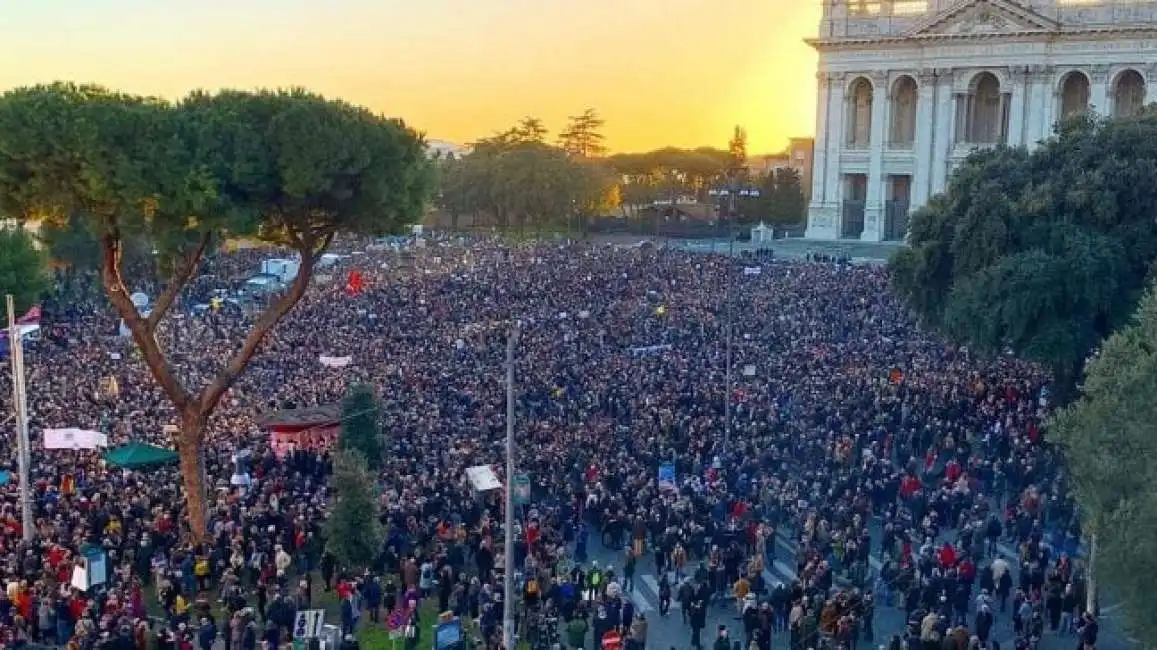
(310, 251)
(143, 335)
(177, 282)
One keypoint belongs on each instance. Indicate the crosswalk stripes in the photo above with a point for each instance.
(640, 601)
(645, 592)
(784, 570)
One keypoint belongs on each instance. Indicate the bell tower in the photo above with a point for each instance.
(835, 18)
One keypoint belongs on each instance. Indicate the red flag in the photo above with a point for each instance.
(354, 283)
(32, 317)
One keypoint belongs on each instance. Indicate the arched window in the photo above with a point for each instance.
(1128, 94)
(1074, 94)
(904, 99)
(986, 119)
(860, 114)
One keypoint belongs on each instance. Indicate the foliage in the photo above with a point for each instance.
(1043, 253)
(353, 532)
(287, 167)
(361, 426)
(737, 153)
(71, 244)
(1112, 458)
(780, 201)
(583, 135)
(518, 180)
(668, 172)
(530, 129)
(23, 269)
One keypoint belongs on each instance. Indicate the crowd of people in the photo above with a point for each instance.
(853, 437)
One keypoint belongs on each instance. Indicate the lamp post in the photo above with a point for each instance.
(732, 190)
(508, 544)
(20, 406)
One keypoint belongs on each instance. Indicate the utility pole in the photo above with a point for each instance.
(508, 550)
(732, 190)
(1091, 604)
(20, 405)
(730, 314)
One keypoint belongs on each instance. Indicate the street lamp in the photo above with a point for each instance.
(508, 542)
(732, 190)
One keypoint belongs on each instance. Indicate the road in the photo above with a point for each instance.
(671, 632)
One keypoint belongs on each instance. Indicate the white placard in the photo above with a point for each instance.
(335, 362)
(79, 578)
(74, 439)
(307, 624)
(482, 478)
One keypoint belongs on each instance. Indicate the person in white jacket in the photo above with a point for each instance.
(282, 560)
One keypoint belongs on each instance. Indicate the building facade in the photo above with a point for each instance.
(908, 88)
(798, 157)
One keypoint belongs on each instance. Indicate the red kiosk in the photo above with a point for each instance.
(302, 428)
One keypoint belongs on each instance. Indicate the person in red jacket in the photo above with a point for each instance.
(947, 556)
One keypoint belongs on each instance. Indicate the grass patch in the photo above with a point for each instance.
(371, 636)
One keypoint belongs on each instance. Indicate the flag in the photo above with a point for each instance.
(27, 323)
(354, 283)
(31, 317)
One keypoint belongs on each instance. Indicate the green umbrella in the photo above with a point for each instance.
(137, 454)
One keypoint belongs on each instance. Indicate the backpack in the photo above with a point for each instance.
(532, 587)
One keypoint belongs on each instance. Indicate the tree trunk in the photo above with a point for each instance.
(193, 474)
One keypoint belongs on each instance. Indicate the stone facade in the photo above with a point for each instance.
(907, 88)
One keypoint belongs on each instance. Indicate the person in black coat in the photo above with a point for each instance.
(207, 634)
(984, 622)
(373, 596)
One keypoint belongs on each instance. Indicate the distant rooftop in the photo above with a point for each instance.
(444, 148)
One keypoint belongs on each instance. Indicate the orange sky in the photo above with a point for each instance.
(661, 72)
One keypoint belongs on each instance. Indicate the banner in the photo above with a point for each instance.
(307, 624)
(27, 327)
(650, 349)
(74, 439)
(335, 362)
(521, 489)
(752, 270)
(667, 476)
(448, 635)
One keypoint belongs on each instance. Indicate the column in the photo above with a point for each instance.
(1036, 115)
(823, 211)
(945, 119)
(1016, 121)
(1052, 99)
(922, 148)
(1099, 95)
(874, 206)
(824, 138)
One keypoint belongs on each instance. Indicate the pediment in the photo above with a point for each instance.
(985, 17)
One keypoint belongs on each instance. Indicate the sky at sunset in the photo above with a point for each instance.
(661, 72)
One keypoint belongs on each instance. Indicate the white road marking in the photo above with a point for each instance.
(640, 601)
(784, 570)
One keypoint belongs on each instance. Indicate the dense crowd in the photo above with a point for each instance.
(853, 436)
